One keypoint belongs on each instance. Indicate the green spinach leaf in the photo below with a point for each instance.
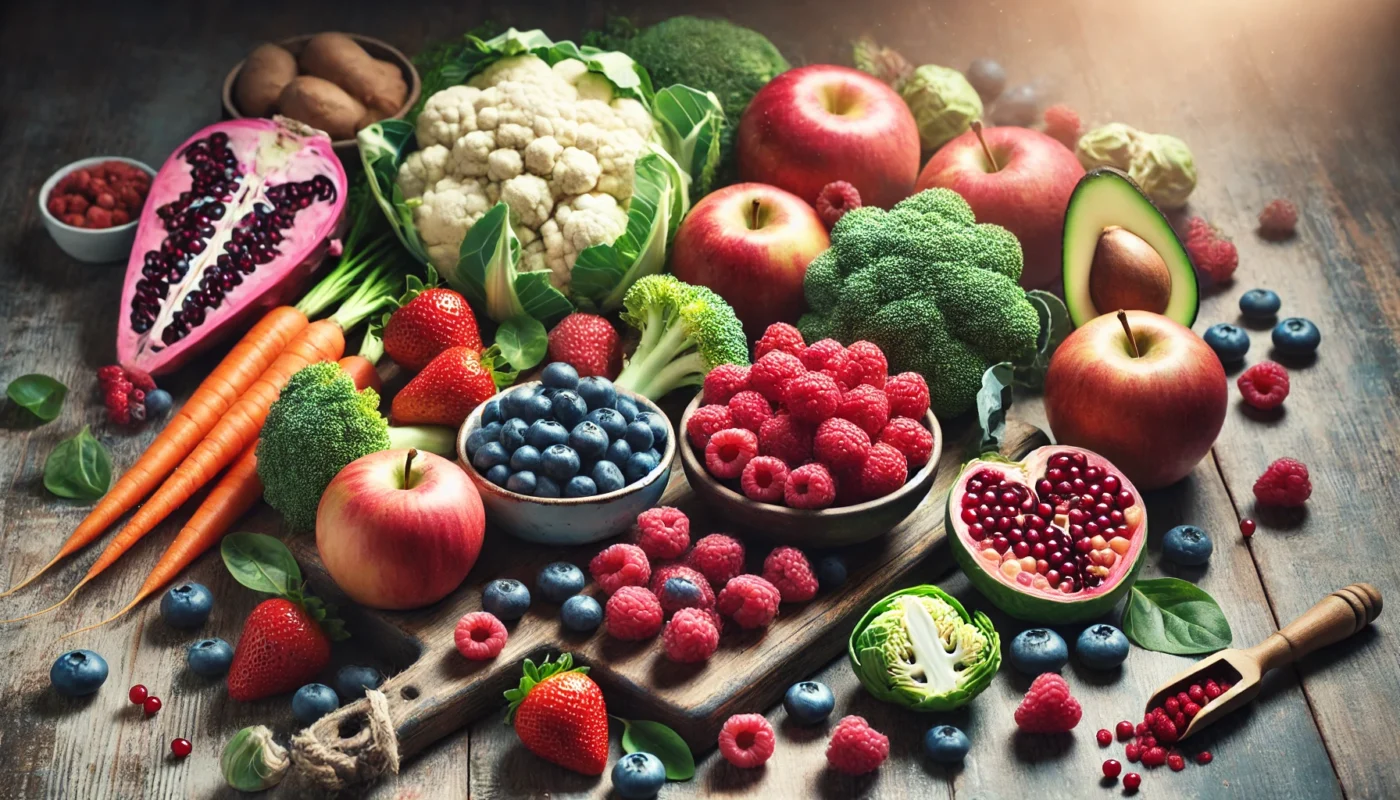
(1170, 615)
(261, 563)
(79, 468)
(41, 395)
(642, 736)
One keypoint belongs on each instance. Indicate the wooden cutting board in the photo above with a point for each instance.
(441, 692)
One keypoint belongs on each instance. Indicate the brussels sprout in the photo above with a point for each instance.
(1165, 170)
(252, 761)
(920, 648)
(1112, 145)
(944, 104)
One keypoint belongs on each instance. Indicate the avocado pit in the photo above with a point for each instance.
(1128, 273)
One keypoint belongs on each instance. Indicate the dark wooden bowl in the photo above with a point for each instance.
(829, 527)
(347, 149)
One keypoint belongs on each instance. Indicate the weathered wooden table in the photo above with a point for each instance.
(1289, 98)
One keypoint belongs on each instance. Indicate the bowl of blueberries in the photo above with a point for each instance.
(567, 460)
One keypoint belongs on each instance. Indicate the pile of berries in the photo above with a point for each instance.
(1212, 252)
(130, 395)
(812, 426)
(104, 195)
(1150, 741)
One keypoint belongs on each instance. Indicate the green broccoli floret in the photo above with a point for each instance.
(319, 424)
(686, 332)
(934, 289)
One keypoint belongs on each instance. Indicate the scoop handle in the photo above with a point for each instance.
(1332, 619)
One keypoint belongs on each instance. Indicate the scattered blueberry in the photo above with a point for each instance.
(987, 77)
(526, 458)
(831, 572)
(545, 432)
(1296, 336)
(559, 581)
(597, 392)
(569, 408)
(1187, 544)
(659, 431)
(618, 452)
(589, 440)
(1101, 647)
(680, 592)
(638, 775)
(1230, 342)
(581, 614)
(351, 681)
(491, 412)
(580, 486)
(482, 436)
(627, 407)
(945, 744)
(559, 375)
(158, 401)
(559, 462)
(638, 436)
(522, 482)
(640, 465)
(499, 475)
(607, 477)
(186, 605)
(209, 658)
(507, 598)
(546, 487)
(808, 702)
(78, 672)
(1259, 304)
(536, 408)
(1038, 650)
(513, 433)
(610, 421)
(313, 701)
(489, 455)
(1019, 105)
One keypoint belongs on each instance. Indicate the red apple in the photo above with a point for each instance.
(1154, 414)
(1026, 192)
(399, 529)
(751, 244)
(814, 125)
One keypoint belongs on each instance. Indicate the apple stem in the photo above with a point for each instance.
(753, 222)
(408, 466)
(977, 129)
(1123, 319)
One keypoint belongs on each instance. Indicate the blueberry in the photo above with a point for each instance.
(659, 431)
(1187, 544)
(987, 77)
(186, 606)
(589, 440)
(1259, 304)
(522, 482)
(351, 681)
(313, 701)
(638, 436)
(1038, 650)
(499, 475)
(597, 392)
(1019, 105)
(831, 572)
(618, 452)
(607, 477)
(526, 458)
(808, 702)
(506, 598)
(513, 433)
(490, 455)
(559, 581)
(680, 592)
(559, 462)
(483, 436)
(546, 487)
(78, 672)
(512, 402)
(545, 432)
(1296, 336)
(580, 486)
(581, 614)
(1101, 647)
(1230, 342)
(559, 375)
(569, 408)
(945, 744)
(158, 401)
(610, 421)
(491, 412)
(627, 407)
(639, 466)
(536, 408)
(209, 658)
(638, 775)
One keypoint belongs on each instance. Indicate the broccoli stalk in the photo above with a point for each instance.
(686, 332)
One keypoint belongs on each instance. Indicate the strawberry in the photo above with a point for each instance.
(284, 645)
(445, 392)
(587, 342)
(429, 322)
(560, 715)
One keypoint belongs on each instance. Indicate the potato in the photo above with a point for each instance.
(265, 73)
(321, 104)
(340, 59)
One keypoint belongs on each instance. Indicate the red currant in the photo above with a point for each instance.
(151, 705)
(1204, 757)
(1125, 731)
(1111, 768)
(1132, 781)
(1104, 737)
(181, 747)
(1247, 527)
(137, 694)
(1176, 762)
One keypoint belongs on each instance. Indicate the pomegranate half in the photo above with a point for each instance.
(237, 220)
(1056, 537)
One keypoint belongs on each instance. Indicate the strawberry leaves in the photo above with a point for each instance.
(533, 675)
(264, 564)
(523, 341)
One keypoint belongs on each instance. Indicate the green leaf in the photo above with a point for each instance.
(1055, 325)
(41, 395)
(486, 274)
(1170, 615)
(261, 563)
(643, 736)
(523, 341)
(690, 123)
(993, 401)
(79, 468)
(383, 147)
(603, 273)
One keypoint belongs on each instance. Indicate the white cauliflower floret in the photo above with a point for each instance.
(447, 116)
(634, 115)
(529, 199)
(448, 211)
(504, 164)
(423, 169)
(471, 152)
(514, 135)
(578, 224)
(575, 172)
(570, 70)
(532, 259)
(523, 68)
(541, 154)
(617, 158)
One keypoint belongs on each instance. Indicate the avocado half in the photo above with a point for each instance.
(1120, 250)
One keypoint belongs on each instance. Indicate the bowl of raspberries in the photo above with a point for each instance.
(814, 444)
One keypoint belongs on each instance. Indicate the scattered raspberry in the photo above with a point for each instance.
(620, 565)
(813, 397)
(1132, 751)
(1048, 706)
(109, 373)
(883, 471)
(785, 438)
(840, 444)
(749, 410)
(678, 596)
(718, 557)
(779, 336)
(1264, 385)
(856, 748)
(725, 381)
(746, 740)
(908, 395)
(480, 636)
(1154, 757)
(729, 452)
(1278, 220)
(1204, 757)
(790, 571)
(867, 407)
(1176, 762)
(834, 200)
(705, 422)
(633, 614)
(749, 600)
(810, 486)
(118, 407)
(690, 636)
(139, 378)
(1211, 252)
(869, 361)
(911, 439)
(1284, 483)
(663, 532)
(764, 479)
(1062, 125)
(772, 372)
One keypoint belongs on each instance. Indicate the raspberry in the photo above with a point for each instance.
(704, 422)
(1154, 757)
(718, 557)
(109, 373)
(480, 636)
(1216, 257)
(725, 381)
(812, 398)
(772, 372)
(908, 395)
(690, 637)
(785, 438)
(1284, 483)
(1176, 762)
(633, 614)
(1062, 125)
(746, 740)
(883, 471)
(1048, 706)
(749, 410)
(788, 569)
(1278, 219)
(867, 407)
(663, 532)
(910, 438)
(809, 486)
(118, 408)
(829, 357)
(870, 361)
(1264, 385)
(834, 200)
(779, 336)
(840, 444)
(764, 478)
(620, 565)
(856, 748)
(139, 378)
(679, 596)
(749, 600)
(819, 354)
(729, 452)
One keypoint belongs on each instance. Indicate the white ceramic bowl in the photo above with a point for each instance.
(90, 245)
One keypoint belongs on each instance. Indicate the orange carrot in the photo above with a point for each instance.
(361, 371)
(229, 380)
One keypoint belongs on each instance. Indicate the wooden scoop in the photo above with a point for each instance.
(1334, 618)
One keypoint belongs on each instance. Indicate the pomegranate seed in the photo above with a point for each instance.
(151, 705)
(1132, 781)
(137, 694)
(1247, 527)
(1176, 762)
(1111, 768)
(1125, 731)
(181, 747)
(1133, 752)
(1204, 757)
(1104, 737)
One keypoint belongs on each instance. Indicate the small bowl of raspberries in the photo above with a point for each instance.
(813, 443)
